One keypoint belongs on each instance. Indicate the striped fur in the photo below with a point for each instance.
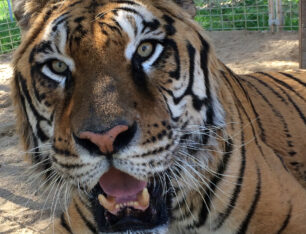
(228, 150)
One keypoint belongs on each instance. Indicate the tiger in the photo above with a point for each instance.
(125, 105)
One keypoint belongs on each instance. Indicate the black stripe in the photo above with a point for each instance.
(210, 114)
(65, 224)
(258, 120)
(210, 193)
(169, 27)
(244, 225)
(275, 111)
(29, 130)
(224, 215)
(289, 98)
(197, 102)
(125, 2)
(30, 40)
(270, 88)
(67, 166)
(54, 28)
(43, 47)
(293, 78)
(130, 10)
(286, 221)
(23, 105)
(151, 25)
(175, 119)
(117, 24)
(63, 152)
(36, 156)
(75, 3)
(43, 137)
(89, 225)
(36, 91)
(282, 83)
(112, 28)
(26, 93)
(81, 199)
(176, 74)
(204, 64)
(242, 107)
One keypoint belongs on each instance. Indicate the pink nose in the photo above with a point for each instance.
(105, 141)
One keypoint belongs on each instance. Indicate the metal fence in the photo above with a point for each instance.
(212, 15)
(248, 14)
(9, 31)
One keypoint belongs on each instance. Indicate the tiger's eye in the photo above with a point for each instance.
(59, 66)
(145, 49)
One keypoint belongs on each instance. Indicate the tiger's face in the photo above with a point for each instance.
(112, 91)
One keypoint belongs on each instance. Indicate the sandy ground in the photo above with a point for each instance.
(21, 210)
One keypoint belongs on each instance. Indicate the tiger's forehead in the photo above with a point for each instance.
(113, 19)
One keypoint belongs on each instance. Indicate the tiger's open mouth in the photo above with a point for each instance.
(121, 202)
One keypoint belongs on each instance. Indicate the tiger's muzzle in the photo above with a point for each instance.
(120, 201)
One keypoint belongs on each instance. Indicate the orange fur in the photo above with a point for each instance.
(263, 136)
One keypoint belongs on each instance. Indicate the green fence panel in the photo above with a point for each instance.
(9, 31)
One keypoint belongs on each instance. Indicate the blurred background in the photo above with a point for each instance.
(213, 15)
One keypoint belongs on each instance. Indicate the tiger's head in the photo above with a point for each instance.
(114, 98)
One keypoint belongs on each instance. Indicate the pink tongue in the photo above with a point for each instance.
(120, 185)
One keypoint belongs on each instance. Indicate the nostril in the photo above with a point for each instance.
(107, 142)
(124, 138)
(92, 148)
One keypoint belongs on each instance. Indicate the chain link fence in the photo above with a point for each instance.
(9, 31)
(248, 14)
(212, 15)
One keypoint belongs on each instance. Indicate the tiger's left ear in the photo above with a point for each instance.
(188, 6)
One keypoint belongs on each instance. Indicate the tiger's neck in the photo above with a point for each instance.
(243, 175)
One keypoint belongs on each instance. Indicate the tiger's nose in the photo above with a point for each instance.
(107, 141)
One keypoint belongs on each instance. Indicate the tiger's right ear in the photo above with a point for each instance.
(188, 6)
(26, 10)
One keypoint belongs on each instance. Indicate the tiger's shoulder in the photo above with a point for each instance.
(278, 100)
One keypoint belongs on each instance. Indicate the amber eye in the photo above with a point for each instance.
(145, 49)
(59, 66)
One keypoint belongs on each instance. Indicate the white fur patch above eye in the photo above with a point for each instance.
(58, 41)
(199, 86)
(148, 63)
(57, 78)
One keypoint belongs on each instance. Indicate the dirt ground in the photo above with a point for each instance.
(21, 210)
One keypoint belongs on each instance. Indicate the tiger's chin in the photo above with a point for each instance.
(136, 206)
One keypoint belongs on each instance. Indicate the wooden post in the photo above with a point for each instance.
(271, 15)
(303, 34)
(279, 17)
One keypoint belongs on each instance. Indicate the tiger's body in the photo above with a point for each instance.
(131, 93)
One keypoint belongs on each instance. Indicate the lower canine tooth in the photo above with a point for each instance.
(109, 204)
(144, 198)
